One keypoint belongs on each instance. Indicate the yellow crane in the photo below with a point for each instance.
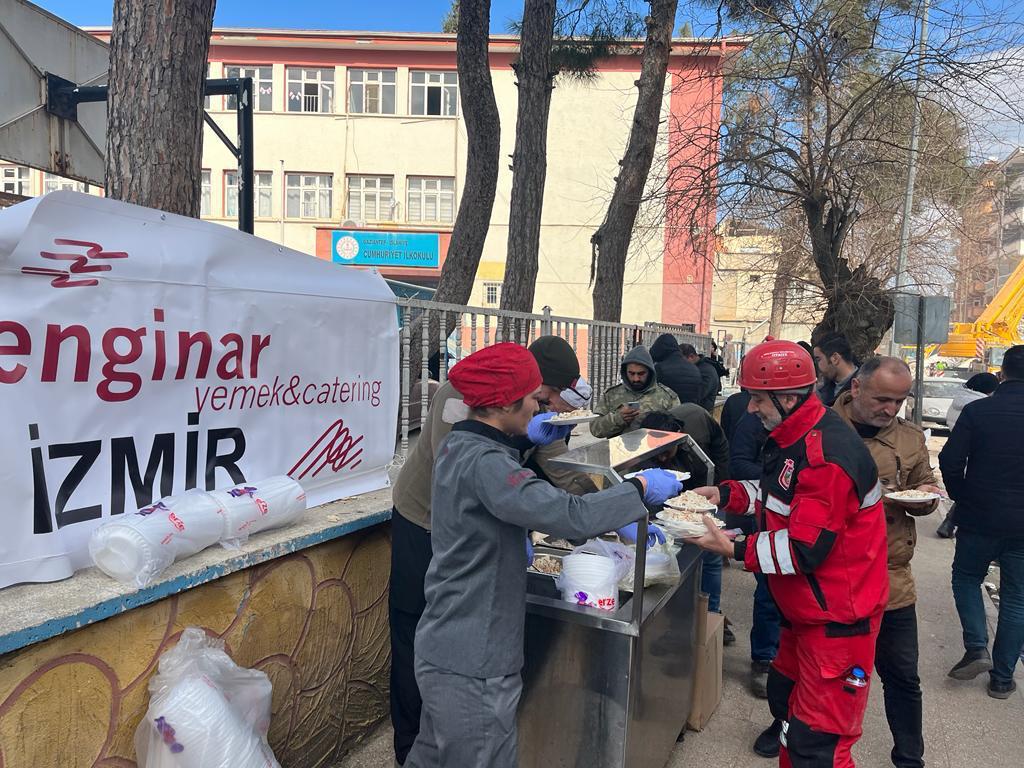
(998, 326)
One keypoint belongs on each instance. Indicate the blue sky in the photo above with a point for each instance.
(378, 15)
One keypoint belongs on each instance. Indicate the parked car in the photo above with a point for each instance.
(938, 396)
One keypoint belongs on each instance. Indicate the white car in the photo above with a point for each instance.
(938, 396)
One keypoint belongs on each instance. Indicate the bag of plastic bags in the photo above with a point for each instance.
(205, 711)
(591, 574)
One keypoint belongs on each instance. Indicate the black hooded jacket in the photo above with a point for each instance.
(674, 371)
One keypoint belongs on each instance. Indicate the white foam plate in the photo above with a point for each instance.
(565, 422)
(894, 495)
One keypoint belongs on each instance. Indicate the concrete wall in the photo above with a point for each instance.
(315, 621)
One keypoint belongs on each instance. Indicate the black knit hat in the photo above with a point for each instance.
(557, 361)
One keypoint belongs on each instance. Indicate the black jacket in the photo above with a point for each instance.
(745, 446)
(675, 371)
(733, 410)
(706, 432)
(711, 383)
(982, 463)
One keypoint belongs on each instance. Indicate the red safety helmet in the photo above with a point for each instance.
(777, 365)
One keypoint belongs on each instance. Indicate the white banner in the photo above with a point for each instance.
(142, 354)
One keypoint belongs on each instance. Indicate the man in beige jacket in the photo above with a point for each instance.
(877, 394)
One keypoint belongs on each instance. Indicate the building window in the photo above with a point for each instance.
(308, 195)
(264, 181)
(492, 294)
(262, 86)
(52, 182)
(310, 90)
(14, 180)
(430, 199)
(371, 198)
(206, 99)
(434, 93)
(206, 196)
(371, 91)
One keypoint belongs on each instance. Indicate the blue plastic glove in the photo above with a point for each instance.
(661, 485)
(541, 432)
(529, 551)
(654, 534)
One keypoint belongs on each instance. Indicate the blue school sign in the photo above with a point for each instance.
(386, 249)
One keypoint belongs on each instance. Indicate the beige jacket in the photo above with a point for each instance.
(903, 462)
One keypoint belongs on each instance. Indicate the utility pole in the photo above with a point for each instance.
(915, 130)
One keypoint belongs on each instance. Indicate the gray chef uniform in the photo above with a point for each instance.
(469, 642)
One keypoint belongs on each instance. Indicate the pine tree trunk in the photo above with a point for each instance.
(610, 243)
(529, 162)
(158, 54)
(483, 131)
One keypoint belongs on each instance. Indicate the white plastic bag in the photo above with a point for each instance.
(253, 507)
(666, 571)
(136, 547)
(205, 711)
(603, 593)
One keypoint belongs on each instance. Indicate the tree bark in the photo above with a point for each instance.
(483, 131)
(780, 290)
(158, 54)
(610, 243)
(529, 162)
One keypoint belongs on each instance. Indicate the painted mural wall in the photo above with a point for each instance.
(315, 621)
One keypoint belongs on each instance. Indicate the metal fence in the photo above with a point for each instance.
(452, 331)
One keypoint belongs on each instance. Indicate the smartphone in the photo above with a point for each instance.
(635, 405)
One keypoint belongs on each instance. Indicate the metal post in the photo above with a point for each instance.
(246, 180)
(908, 200)
(919, 367)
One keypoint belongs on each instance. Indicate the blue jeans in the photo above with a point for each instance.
(974, 553)
(764, 629)
(711, 580)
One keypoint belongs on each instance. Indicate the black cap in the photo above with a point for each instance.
(557, 361)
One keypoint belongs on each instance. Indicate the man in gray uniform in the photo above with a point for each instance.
(469, 643)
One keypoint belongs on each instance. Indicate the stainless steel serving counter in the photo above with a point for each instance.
(610, 689)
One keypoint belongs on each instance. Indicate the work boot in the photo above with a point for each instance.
(759, 678)
(1000, 690)
(974, 662)
(767, 744)
(945, 529)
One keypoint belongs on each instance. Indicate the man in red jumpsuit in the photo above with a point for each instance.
(821, 542)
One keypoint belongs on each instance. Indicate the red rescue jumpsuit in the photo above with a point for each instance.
(822, 546)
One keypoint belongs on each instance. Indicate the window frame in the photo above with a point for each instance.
(331, 87)
(62, 182)
(391, 217)
(330, 191)
(256, 84)
(256, 194)
(439, 192)
(20, 182)
(380, 82)
(497, 286)
(453, 103)
(206, 192)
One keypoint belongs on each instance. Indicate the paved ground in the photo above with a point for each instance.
(964, 728)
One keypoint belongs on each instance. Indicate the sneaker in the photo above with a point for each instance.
(945, 529)
(759, 678)
(767, 744)
(728, 636)
(1000, 690)
(974, 662)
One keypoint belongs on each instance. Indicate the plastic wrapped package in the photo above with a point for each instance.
(662, 567)
(249, 508)
(205, 711)
(136, 547)
(591, 573)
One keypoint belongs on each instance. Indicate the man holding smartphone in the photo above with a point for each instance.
(639, 393)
